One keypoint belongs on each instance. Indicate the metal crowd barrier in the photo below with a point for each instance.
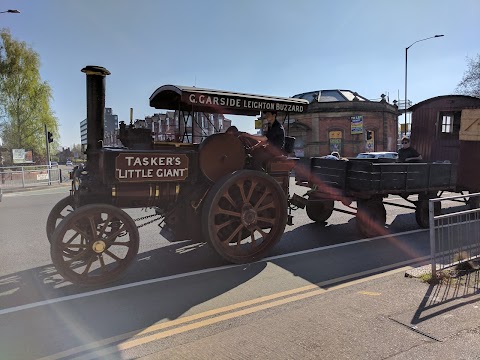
(26, 176)
(455, 235)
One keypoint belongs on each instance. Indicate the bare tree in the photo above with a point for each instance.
(470, 84)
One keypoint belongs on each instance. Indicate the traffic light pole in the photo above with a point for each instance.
(47, 145)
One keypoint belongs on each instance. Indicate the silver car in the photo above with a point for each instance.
(378, 155)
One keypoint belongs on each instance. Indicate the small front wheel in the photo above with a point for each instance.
(94, 245)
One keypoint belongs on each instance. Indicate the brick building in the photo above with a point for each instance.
(178, 126)
(343, 121)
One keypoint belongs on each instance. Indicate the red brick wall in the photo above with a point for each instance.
(319, 123)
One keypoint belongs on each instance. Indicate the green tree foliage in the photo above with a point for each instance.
(77, 149)
(24, 99)
(470, 84)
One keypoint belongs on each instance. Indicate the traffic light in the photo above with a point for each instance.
(369, 134)
(50, 137)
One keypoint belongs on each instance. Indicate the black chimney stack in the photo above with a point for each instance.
(95, 111)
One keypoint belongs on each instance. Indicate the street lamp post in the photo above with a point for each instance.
(406, 62)
(10, 11)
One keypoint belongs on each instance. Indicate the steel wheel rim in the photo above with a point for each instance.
(94, 245)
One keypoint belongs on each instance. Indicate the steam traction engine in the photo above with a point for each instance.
(206, 192)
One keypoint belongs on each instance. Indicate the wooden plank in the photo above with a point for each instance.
(470, 125)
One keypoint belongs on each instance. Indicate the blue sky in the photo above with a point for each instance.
(258, 46)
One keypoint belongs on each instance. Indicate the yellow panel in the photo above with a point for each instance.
(335, 135)
(470, 125)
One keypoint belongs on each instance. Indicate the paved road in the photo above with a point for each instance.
(175, 293)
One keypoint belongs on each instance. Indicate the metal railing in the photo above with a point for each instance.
(454, 236)
(26, 176)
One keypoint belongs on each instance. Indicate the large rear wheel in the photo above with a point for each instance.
(244, 215)
(94, 245)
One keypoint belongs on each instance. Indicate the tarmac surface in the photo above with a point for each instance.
(391, 315)
(388, 316)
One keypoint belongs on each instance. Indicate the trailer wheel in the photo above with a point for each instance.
(319, 211)
(473, 202)
(244, 216)
(371, 217)
(422, 212)
(57, 214)
(94, 244)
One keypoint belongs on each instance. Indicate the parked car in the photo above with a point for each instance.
(69, 163)
(378, 155)
(53, 163)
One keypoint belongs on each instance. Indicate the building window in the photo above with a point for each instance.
(449, 123)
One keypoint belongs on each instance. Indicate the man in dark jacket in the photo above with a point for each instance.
(270, 144)
(406, 153)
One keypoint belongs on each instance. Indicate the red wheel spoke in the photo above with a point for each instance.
(242, 192)
(252, 188)
(259, 202)
(267, 206)
(221, 226)
(232, 235)
(229, 199)
(228, 212)
(266, 220)
(260, 230)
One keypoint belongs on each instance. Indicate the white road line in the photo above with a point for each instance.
(199, 272)
(343, 244)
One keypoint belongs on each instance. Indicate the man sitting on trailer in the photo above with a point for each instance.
(407, 153)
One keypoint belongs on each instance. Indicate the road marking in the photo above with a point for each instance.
(182, 320)
(344, 244)
(194, 273)
(369, 293)
(289, 296)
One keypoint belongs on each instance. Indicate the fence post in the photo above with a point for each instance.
(23, 177)
(431, 220)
